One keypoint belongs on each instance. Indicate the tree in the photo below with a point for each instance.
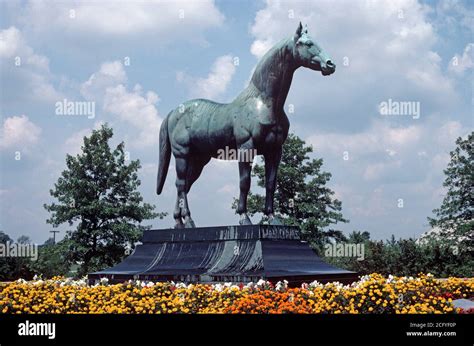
(7, 265)
(455, 217)
(22, 264)
(358, 237)
(98, 192)
(301, 197)
(23, 239)
(12, 268)
(52, 259)
(406, 257)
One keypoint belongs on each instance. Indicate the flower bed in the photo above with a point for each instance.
(371, 294)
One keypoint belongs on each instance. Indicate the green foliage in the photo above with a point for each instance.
(406, 257)
(7, 265)
(52, 259)
(13, 268)
(455, 216)
(301, 197)
(98, 192)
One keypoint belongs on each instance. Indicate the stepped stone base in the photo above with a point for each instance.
(224, 254)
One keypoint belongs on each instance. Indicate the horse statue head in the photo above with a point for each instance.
(308, 53)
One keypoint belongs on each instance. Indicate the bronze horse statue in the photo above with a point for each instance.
(255, 121)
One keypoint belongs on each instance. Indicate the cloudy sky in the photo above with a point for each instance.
(139, 60)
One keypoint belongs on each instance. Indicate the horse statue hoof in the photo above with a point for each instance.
(274, 221)
(189, 223)
(244, 220)
(179, 225)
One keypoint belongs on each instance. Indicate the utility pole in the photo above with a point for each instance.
(54, 236)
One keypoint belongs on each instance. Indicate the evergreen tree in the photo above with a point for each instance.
(455, 216)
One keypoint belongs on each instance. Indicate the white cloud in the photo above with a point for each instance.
(461, 63)
(376, 170)
(13, 45)
(383, 151)
(380, 137)
(131, 107)
(109, 75)
(440, 161)
(448, 133)
(137, 110)
(260, 47)
(18, 132)
(218, 79)
(23, 67)
(216, 82)
(166, 20)
(73, 143)
(453, 13)
(374, 203)
(10, 42)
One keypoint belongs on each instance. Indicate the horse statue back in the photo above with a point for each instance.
(253, 124)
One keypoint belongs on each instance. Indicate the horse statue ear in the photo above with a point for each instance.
(298, 32)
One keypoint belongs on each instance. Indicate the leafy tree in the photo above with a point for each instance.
(407, 257)
(52, 259)
(301, 197)
(7, 265)
(49, 241)
(22, 264)
(23, 239)
(98, 192)
(13, 268)
(4, 238)
(455, 216)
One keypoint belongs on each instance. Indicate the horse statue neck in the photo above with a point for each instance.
(274, 73)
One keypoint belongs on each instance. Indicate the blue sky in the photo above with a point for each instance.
(404, 51)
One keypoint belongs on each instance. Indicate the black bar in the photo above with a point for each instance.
(241, 329)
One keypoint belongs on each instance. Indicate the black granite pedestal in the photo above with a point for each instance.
(224, 254)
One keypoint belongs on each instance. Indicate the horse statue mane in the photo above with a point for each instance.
(253, 124)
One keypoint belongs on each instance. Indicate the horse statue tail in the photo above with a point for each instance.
(165, 155)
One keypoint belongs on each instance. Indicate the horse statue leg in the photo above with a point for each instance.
(182, 209)
(244, 172)
(245, 168)
(272, 160)
(177, 214)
